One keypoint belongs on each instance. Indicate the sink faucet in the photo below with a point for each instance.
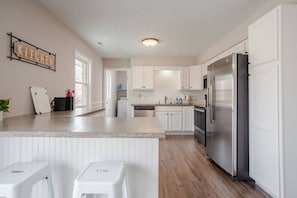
(166, 98)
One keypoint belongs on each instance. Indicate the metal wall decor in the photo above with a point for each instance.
(26, 52)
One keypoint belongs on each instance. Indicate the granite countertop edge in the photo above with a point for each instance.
(52, 125)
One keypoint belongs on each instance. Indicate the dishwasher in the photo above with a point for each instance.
(144, 111)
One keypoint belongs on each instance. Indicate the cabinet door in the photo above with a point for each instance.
(223, 55)
(188, 119)
(148, 77)
(195, 78)
(175, 121)
(163, 117)
(263, 39)
(246, 46)
(263, 129)
(137, 78)
(239, 48)
(184, 78)
(204, 70)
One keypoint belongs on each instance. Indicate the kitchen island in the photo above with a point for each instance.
(70, 143)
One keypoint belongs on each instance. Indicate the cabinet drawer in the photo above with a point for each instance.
(166, 108)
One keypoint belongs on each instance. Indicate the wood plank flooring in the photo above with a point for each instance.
(185, 172)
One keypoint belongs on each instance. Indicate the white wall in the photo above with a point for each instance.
(239, 33)
(122, 79)
(164, 61)
(114, 92)
(31, 22)
(116, 63)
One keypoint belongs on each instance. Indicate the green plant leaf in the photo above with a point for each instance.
(4, 105)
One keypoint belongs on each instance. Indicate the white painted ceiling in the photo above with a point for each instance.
(184, 27)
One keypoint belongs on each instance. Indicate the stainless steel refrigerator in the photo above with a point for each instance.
(227, 118)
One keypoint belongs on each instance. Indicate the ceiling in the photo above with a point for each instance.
(184, 27)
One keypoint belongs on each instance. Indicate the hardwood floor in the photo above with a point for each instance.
(100, 113)
(185, 172)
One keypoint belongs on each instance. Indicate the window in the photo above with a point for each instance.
(81, 81)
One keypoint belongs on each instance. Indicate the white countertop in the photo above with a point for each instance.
(157, 104)
(68, 124)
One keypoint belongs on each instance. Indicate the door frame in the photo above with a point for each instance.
(128, 72)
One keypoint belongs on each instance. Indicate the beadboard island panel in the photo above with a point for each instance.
(69, 156)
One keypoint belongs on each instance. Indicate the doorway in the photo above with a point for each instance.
(116, 92)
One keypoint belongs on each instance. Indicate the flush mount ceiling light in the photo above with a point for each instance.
(150, 42)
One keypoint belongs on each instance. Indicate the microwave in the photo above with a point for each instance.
(205, 82)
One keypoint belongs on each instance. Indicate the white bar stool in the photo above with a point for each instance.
(108, 178)
(16, 180)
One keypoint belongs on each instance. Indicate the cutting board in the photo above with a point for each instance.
(40, 100)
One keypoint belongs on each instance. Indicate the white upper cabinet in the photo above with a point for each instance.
(191, 78)
(143, 78)
(263, 39)
(184, 78)
(195, 78)
(222, 55)
(204, 69)
(137, 78)
(148, 77)
(239, 48)
(246, 46)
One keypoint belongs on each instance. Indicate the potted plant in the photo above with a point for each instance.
(3, 107)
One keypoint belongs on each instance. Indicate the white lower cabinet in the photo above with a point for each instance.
(263, 103)
(195, 82)
(170, 117)
(176, 119)
(188, 118)
(163, 117)
(264, 160)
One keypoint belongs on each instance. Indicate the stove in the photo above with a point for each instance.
(200, 124)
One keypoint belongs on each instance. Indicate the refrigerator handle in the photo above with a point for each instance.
(210, 100)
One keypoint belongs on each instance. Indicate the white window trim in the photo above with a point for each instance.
(80, 56)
